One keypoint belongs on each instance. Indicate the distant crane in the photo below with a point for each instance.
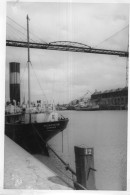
(85, 96)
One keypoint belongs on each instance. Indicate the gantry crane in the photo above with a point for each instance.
(70, 46)
(66, 46)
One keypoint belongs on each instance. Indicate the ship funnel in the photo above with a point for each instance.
(15, 81)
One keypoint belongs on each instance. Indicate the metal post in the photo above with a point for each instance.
(29, 98)
(29, 93)
(85, 171)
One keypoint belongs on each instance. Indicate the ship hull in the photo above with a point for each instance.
(87, 109)
(33, 136)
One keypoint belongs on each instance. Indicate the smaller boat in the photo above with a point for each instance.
(88, 106)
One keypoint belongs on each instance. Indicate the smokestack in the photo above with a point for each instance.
(15, 81)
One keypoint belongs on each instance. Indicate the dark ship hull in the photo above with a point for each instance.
(87, 109)
(33, 136)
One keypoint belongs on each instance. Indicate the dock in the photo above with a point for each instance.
(24, 171)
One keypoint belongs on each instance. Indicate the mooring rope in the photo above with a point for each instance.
(67, 166)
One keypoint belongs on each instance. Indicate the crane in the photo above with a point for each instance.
(66, 45)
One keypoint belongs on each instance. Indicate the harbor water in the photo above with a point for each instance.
(106, 132)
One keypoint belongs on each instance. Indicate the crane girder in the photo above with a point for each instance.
(66, 46)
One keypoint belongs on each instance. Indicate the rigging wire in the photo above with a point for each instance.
(62, 142)
(19, 31)
(111, 36)
(23, 72)
(39, 83)
(26, 30)
(17, 23)
(38, 38)
(16, 29)
(127, 65)
(14, 36)
(68, 145)
(47, 145)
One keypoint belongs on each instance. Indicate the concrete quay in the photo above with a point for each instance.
(24, 171)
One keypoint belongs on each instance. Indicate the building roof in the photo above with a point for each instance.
(110, 91)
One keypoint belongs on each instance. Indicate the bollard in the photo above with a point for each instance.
(85, 171)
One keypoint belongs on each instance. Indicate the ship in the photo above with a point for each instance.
(87, 108)
(30, 125)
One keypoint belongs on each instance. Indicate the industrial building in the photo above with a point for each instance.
(111, 99)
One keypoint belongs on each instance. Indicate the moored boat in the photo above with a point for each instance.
(33, 135)
(29, 124)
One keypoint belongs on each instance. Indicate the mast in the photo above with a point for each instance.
(28, 62)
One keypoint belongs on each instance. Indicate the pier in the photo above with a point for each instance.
(24, 171)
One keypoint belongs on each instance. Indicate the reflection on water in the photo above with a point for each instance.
(106, 131)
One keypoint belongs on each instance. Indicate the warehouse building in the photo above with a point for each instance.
(111, 99)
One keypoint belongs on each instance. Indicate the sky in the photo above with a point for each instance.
(63, 76)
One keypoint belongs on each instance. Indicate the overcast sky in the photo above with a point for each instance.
(64, 76)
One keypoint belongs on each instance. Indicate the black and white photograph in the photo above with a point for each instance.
(66, 96)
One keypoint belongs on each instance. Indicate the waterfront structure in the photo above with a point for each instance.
(114, 99)
(111, 99)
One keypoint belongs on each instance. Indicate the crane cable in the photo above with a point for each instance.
(111, 36)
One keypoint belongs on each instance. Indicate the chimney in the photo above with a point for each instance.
(15, 81)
